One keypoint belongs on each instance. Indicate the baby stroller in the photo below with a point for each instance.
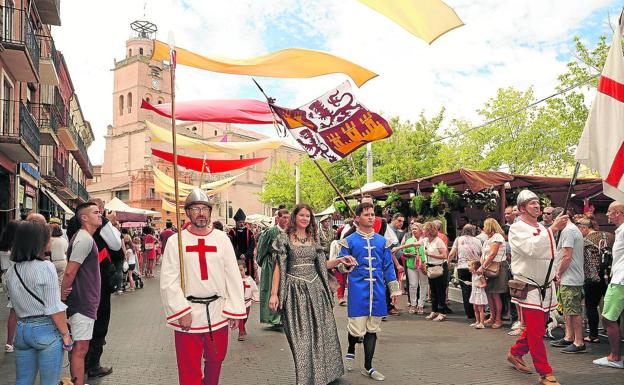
(138, 281)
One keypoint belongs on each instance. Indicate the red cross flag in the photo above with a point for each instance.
(602, 143)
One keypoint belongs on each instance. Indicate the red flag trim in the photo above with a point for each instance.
(611, 88)
(243, 111)
(213, 166)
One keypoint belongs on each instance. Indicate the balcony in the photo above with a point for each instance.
(19, 135)
(52, 170)
(67, 134)
(47, 120)
(83, 195)
(48, 62)
(70, 189)
(49, 11)
(82, 157)
(21, 50)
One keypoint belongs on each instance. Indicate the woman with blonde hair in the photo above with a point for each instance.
(494, 266)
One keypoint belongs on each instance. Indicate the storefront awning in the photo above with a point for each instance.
(68, 212)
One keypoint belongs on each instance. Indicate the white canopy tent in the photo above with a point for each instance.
(118, 206)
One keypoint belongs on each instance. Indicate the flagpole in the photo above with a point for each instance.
(331, 182)
(175, 162)
(201, 175)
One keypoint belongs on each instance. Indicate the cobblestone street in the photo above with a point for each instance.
(409, 350)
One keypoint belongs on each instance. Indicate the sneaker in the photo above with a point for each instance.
(573, 349)
(516, 325)
(479, 326)
(431, 316)
(562, 343)
(604, 361)
(515, 333)
(372, 373)
(348, 361)
(9, 348)
(474, 324)
(119, 292)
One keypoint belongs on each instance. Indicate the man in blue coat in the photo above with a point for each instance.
(367, 286)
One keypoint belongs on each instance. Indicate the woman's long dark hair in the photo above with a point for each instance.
(311, 230)
(8, 236)
(31, 239)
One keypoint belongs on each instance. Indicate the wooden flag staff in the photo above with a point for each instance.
(175, 162)
(270, 102)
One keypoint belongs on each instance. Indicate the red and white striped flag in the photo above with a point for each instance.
(602, 143)
(172, 57)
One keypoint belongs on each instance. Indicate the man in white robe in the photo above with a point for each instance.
(212, 281)
(532, 250)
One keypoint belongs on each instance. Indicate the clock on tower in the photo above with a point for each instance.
(156, 84)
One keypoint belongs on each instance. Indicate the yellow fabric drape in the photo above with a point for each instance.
(168, 206)
(160, 134)
(169, 192)
(426, 19)
(169, 182)
(287, 63)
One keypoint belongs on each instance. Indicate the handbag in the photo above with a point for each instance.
(435, 271)
(492, 270)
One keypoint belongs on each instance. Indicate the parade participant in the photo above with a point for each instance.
(244, 242)
(614, 298)
(367, 287)
(252, 295)
(42, 332)
(380, 225)
(300, 289)
(111, 256)
(213, 297)
(571, 277)
(532, 249)
(326, 233)
(266, 260)
(81, 285)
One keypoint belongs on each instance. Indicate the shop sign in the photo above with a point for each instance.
(30, 170)
(20, 194)
(28, 203)
(31, 191)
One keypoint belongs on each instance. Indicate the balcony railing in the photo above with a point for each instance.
(52, 169)
(26, 127)
(59, 105)
(17, 30)
(72, 184)
(46, 116)
(82, 192)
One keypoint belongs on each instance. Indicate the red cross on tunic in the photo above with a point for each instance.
(201, 249)
(615, 90)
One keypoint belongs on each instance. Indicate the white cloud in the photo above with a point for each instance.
(511, 43)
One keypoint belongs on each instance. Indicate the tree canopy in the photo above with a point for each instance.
(540, 139)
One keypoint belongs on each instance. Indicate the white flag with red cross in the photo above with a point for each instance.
(602, 143)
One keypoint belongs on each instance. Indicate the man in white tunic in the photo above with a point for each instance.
(532, 249)
(213, 298)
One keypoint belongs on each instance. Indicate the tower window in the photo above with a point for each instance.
(129, 102)
(121, 104)
(160, 100)
(129, 52)
(216, 132)
(140, 51)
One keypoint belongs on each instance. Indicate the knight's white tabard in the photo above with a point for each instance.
(210, 269)
(532, 249)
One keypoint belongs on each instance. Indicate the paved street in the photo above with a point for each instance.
(409, 350)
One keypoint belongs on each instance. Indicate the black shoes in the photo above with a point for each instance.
(562, 343)
(573, 349)
(100, 371)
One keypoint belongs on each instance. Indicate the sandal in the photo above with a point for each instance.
(496, 326)
(593, 340)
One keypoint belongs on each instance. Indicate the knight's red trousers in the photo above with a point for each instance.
(191, 348)
(241, 325)
(532, 341)
(342, 284)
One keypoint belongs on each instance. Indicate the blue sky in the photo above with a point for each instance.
(516, 43)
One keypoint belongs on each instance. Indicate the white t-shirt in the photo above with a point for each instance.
(487, 246)
(432, 248)
(59, 249)
(468, 249)
(131, 257)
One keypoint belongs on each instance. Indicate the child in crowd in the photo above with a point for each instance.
(132, 260)
(478, 298)
(136, 241)
(251, 294)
